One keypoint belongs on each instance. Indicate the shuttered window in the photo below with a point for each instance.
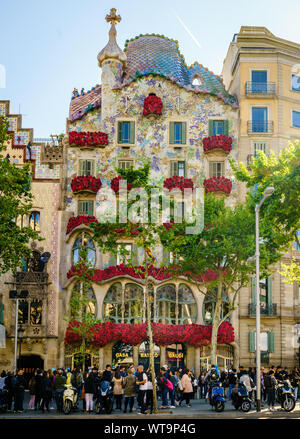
(126, 132)
(177, 169)
(216, 127)
(86, 208)
(260, 146)
(216, 169)
(86, 167)
(125, 164)
(177, 133)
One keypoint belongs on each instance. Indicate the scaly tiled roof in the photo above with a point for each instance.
(156, 54)
(85, 102)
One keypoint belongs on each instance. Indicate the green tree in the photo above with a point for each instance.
(80, 300)
(283, 173)
(223, 246)
(15, 201)
(291, 272)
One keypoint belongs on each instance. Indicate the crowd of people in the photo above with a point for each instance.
(134, 387)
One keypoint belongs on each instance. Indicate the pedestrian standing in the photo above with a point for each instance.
(90, 390)
(129, 390)
(174, 380)
(141, 380)
(162, 382)
(20, 386)
(31, 387)
(118, 389)
(59, 386)
(232, 381)
(195, 386)
(295, 379)
(2, 379)
(270, 384)
(38, 389)
(187, 387)
(201, 385)
(9, 385)
(46, 392)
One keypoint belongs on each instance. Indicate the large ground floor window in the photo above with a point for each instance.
(224, 357)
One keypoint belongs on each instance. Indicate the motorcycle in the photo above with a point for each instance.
(240, 398)
(3, 400)
(70, 397)
(285, 395)
(216, 396)
(104, 400)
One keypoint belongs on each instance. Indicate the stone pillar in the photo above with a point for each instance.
(135, 356)
(163, 353)
(101, 359)
(236, 354)
(190, 356)
(197, 362)
(107, 354)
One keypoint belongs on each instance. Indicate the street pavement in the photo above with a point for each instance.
(200, 409)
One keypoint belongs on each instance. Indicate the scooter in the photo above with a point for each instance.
(216, 396)
(3, 400)
(104, 400)
(70, 397)
(240, 398)
(285, 395)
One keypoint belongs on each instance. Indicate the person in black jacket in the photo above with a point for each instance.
(38, 389)
(19, 391)
(90, 390)
(46, 392)
(9, 386)
(232, 381)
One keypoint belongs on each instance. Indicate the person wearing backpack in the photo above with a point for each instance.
(173, 380)
(270, 384)
(19, 391)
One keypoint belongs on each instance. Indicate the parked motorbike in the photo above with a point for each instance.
(285, 395)
(3, 400)
(240, 398)
(104, 400)
(70, 397)
(216, 396)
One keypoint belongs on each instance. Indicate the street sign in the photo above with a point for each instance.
(2, 337)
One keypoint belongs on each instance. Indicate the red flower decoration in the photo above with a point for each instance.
(163, 335)
(86, 182)
(115, 184)
(87, 138)
(75, 221)
(217, 142)
(178, 182)
(152, 105)
(215, 184)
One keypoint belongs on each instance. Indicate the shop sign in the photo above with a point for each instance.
(147, 355)
(174, 355)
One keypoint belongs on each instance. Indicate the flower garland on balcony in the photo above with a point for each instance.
(217, 142)
(152, 105)
(178, 182)
(86, 182)
(216, 184)
(76, 221)
(138, 272)
(163, 335)
(115, 184)
(88, 138)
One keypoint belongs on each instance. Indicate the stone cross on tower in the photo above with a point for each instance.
(113, 17)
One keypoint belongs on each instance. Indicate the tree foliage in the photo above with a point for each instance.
(15, 201)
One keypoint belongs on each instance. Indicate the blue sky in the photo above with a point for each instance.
(49, 47)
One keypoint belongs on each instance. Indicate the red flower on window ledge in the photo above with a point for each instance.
(115, 184)
(178, 182)
(85, 182)
(88, 138)
(217, 142)
(76, 221)
(195, 335)
(216, 184)
(152, 105)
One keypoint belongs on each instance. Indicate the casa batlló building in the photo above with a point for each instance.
(150, 104)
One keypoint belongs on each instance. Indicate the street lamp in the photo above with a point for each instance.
(21, 331)
(267, 193)
(13, 294)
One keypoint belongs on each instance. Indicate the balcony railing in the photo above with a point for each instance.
(265, 310)
(260, 88)
(260, 127)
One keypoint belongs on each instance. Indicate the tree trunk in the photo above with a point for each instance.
(83, 356)
(215, 325)
(151, 345)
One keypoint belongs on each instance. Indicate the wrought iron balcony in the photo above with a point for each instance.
(265, 310)
(260, 88)
(260, 127)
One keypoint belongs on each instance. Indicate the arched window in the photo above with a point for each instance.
(209, 308)
(166, 304)
(84, 239)
(91, 305)
(196, 80)
(34, 221)
(134, 302)
(187, 307)
(112, 305)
